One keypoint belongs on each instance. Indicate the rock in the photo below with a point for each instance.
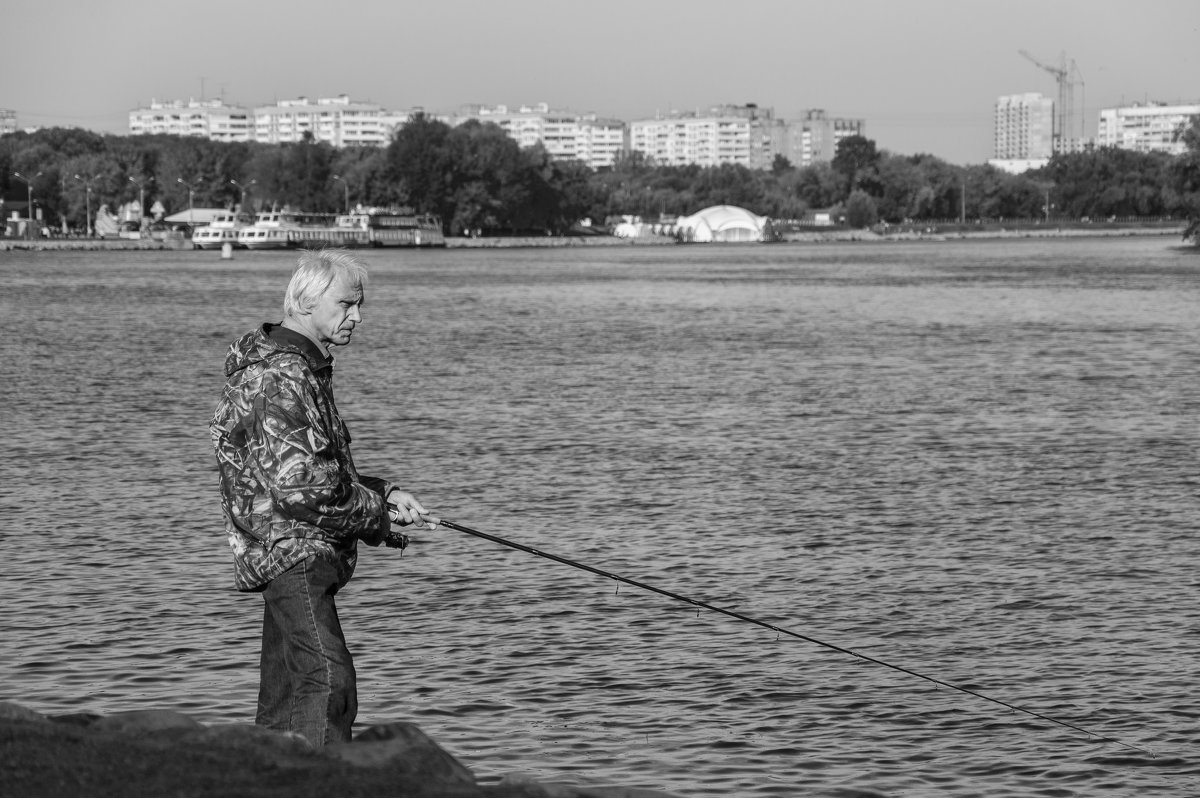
(250, 736)
(405, 747)
(10, 711)
(146, 722)
(160, 752)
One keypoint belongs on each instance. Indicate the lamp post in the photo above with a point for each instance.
(141, 198)
(345, 186)
(243, 189)
(87, 219)
(28, 181)
(191, 196)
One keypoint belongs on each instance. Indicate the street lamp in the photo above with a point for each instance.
(87, 219)
(141, 197)
(28, 181)
(191, 196)
(243, 189)
(345, 186)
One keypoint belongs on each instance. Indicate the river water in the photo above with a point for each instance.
(974, 460)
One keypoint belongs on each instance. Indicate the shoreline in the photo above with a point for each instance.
(498, 242)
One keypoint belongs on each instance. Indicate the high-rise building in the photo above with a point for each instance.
(1024, 127)
(335, 120)
(565, 135)
(210, 119)
(1152, 127)
(813, 138)
(693, 138)
(8, 121)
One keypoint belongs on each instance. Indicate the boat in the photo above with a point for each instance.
(372, 228)
(222, 229)
(405, 230)
(272, 229)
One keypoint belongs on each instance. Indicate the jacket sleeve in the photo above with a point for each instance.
(298, 461)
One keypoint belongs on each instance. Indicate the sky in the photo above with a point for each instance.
(924, 75)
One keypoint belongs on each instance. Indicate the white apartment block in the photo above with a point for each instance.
(335, 120)
(8, 121)
(741, 134)
(565, 135)
(701, 140)
(210, 119)
(1024, 128)
(1154, 127)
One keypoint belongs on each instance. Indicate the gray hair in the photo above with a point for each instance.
(315, 273)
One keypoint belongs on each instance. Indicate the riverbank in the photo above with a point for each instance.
(159, 752)
(499, 242)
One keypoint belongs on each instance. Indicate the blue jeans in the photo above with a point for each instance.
(307, 681)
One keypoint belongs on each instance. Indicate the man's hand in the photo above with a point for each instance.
(395, 540)
(404, 509)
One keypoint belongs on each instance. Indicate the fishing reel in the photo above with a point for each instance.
(395, 540)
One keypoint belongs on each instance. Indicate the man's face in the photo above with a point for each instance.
(333, 318)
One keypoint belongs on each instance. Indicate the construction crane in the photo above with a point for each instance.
(1068, 76)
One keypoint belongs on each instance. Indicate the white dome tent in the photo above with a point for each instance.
(721, 223)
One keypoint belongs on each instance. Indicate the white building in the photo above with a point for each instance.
(679, 140)
(1153, 127)
(1024, 128)
(210, 119)
(8, 121)
(565, 135)
(335, 120)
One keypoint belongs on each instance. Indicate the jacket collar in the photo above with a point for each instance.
(290, 339)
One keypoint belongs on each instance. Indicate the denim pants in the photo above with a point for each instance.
(307, 681)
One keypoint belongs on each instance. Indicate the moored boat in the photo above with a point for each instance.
(271, 229)
(373, 228)
(221, 230)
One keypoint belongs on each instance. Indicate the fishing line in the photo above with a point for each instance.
(777, 629)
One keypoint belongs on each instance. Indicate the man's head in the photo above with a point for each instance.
(324, 298)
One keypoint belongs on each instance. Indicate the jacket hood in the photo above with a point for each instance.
(260, 344)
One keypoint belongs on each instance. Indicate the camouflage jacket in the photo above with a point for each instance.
(289, 488)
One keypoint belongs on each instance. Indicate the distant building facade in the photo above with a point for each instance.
(713, 138)
(8, 121)
(336, 120)
(1152, 127)
(745, 135)
(1024, 128)
(210, 119)
(813, 137)
(566, 135)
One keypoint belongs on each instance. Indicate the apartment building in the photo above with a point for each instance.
(813, 136)
(565, 135)
(1023, 127)
(336, 120)
(693, 138)
(8, 121)
(210, 119)
(1150, 127)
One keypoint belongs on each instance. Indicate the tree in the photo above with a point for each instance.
(1185, 177)
(860, 209)
(857, 160)
(420, 168)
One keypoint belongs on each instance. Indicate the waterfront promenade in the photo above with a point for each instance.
(808, 236)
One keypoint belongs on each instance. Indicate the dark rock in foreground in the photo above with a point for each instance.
(158, 752)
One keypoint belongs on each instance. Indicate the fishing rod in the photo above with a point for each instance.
(433, 522)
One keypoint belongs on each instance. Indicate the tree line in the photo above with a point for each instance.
(477, 179)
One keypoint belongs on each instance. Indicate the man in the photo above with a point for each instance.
(294, 504)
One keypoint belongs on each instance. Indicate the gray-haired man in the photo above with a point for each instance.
(295, 506)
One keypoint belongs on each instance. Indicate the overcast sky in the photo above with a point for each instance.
(923, 74)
